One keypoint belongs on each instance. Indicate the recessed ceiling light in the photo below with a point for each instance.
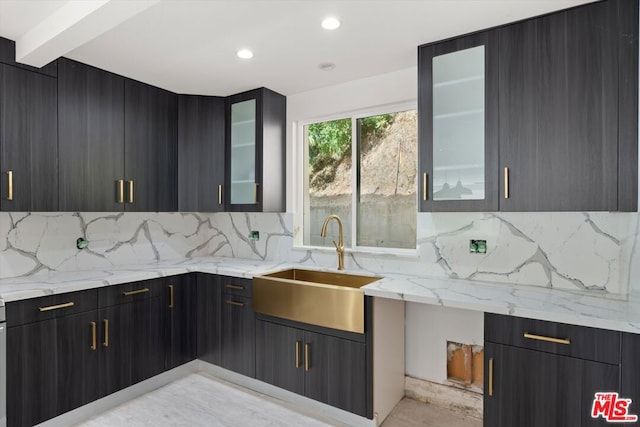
(330, 23)
(244, 54)
(327, 66)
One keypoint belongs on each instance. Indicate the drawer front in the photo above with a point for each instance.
(236, 286)
(133, 291)
(49, 307)
(599, 345)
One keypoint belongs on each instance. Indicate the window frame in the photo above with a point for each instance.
(302, 173)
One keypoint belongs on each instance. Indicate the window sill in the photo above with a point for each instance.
(367, 251)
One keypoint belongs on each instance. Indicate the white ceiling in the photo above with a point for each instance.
(188, 46)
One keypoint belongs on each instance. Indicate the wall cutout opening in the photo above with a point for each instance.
(465, 365)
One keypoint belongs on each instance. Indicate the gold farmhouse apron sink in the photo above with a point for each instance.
(321, 298)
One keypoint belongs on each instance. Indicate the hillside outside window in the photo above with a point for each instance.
(363, 169)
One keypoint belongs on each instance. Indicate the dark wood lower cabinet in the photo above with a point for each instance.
(536, 389)
(238, 335)
(52, 368)
(180, 305)
(322, 367)
(208, 322)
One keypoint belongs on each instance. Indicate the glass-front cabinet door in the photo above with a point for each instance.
(458, 126)
(243, 189)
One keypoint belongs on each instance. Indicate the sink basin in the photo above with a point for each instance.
(322, 298)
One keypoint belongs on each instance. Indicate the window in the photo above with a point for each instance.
(373, 191)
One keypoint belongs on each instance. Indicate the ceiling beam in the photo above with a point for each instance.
(72, 25)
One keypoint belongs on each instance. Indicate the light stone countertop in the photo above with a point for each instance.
(588, 308)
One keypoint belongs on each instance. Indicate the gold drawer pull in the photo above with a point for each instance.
(237, 304)
(56, 307)
(424, 186)
(220, 194)
(94, 345)
(491, 376)
(120, 191)
(297, 354)
(171, 300)
(236, 287)
(106, 333)
(131, 191)
(506, 182)
(564, 341)
(307, 363)
(10, 189)
(139, 291)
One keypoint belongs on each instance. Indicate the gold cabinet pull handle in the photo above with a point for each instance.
(130, 191)
(120, 190)
(424, 186)
(307, 364)
(220, 194)
(564, 341)
(57, 307)
(94, 345)
(10, 189)
(235, 303)
(106, 333)
(171, 301)
(255, 193)
(237, 287)
(506, 182)
(491, 376)
(297, 354)
(136, 292)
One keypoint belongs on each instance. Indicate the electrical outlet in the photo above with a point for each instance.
(254, 235)
(477, 246)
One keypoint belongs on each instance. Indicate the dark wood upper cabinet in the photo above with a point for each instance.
(255, 152)
(91, 138)
(151, 150)
(201, 153)
(28, 141)
(457, 124)
(560, 110)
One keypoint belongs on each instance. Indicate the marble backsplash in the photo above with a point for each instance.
(565, 250)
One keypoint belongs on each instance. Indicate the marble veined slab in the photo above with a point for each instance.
(588, 308)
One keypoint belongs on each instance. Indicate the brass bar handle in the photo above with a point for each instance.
(94, 345)
(220, 194)
(564, 341)
(297, 354)
(139, 291)
(236, 287)
(171, 301)
(106, 333)
(130, 191)
(255, 193)
(424, 186)
(57, 307)
(120, 191)
(10, 189)
(235, 303)
(307, 364)
(491, 376)
(506, 182)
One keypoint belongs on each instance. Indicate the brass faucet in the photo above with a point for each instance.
(340, 245)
